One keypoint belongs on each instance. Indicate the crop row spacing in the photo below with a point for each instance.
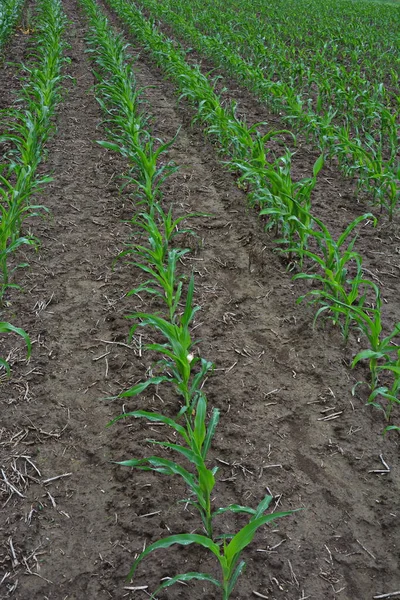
(323, 88)
(180, 366)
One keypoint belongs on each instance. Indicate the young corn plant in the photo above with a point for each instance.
(9, 328)
(10, 11)
(339, 272)
(390, 394)
(26, 131)
(165, 281)
(196, 436)
(377, 176)
(177, 351)
(158, 259)
(368, 320)
(126, 123)
(380, 349)
(229, 555)
(286, 203)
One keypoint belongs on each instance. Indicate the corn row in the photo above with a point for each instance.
(286, 202)
(359, 154)
(10, 11)
(27, 127)
(178, 366)
(287, 206)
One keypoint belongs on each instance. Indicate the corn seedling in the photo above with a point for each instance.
(391, 428)
(228, 556)
(375, 174)
(369, 322)
(290, 203)
(120, 99)
(380, 349)
(242, 145)
(26, 131)
(157, 259)
(10, 11)
(196, 436)
(392, 394)
(9, 328)
(164, 281)
(336, 264)
(177, 350)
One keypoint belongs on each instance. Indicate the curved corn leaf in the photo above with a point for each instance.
(245, 536)
(186, 577)
(9, 328)
(234, 577)
(391, 428)
(155, 418)
(235, 508)
(183, 539)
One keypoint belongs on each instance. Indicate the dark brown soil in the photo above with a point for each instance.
(275, 381)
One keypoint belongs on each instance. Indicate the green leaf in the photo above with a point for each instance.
(183, 539)
(199, 432)
(391, 428)
(366, 355)
(109, 146)
(262, 507)
(186, 577)
(206, 479)
(380, 391)
(394, 369)
(235, 508)
(163, 465)
(155, 418)
(140, 387)
(245, 536)
(9, 328)
(5, 365)
(189, 311)
(191, 456)
(210, 431)
(319, 163)
(237, 572)
(352, 226)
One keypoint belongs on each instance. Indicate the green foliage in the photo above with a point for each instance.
(26, 128)
(328, 86)
(286, 202)
(10, 11)
(228, 557)
(9, 328)
(339, 273)
(26, 131)
(178, 365)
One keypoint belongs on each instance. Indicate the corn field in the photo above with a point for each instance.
(199, 283)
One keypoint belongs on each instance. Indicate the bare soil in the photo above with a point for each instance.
(74, 522)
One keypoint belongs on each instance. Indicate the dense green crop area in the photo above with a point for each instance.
(9, 13)
(331, 73)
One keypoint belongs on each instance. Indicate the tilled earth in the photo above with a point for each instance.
(72, 522)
